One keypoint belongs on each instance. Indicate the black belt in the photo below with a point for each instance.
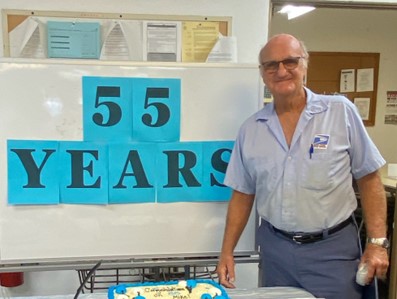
(304, 238)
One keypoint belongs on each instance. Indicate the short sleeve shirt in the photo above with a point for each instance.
(307, 186)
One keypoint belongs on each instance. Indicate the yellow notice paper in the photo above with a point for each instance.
(198, 38)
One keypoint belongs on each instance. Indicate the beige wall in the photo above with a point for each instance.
(354, 30)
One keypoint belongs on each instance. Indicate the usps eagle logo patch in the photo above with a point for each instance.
(321, 141)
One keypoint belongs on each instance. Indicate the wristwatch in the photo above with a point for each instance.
(383, 242)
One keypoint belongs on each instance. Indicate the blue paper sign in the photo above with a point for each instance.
(32, 172)
(131, 109)
(84, 175)
(107, 109)
(156, 107)
(180, 172)
(132, 172)
(216, 158)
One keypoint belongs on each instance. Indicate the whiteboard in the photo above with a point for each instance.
(42, 100)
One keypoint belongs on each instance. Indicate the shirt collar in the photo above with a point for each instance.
(314, 105)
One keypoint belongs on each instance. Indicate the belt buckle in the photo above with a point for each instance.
(298, 239)
(303, 239)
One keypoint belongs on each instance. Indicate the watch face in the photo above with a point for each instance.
(386, 243)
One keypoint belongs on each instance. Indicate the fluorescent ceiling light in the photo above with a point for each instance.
(295, 11)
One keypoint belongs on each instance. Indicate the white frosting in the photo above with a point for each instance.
(170, 291)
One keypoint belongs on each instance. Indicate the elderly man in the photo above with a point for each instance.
(297, 158)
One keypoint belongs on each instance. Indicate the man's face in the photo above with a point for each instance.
(287, 76)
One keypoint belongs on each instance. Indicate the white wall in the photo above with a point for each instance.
(354, 30)
(249, 25)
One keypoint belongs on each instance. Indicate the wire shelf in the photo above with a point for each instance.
(102, 279)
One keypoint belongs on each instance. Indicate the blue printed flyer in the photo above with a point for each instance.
(73, 39)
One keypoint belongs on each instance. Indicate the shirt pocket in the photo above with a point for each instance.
(317, 171)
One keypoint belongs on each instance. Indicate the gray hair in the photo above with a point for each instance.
(305, 53)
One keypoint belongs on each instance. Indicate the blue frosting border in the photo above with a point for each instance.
(189, 282)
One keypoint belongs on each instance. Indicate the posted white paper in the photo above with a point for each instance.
(162, 41)
(347, 80)
(363, 105)
(392, 170)
(122, 40)
(224, 50)
(28, 39)
(365, 80)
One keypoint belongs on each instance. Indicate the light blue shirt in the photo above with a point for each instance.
(307, 186)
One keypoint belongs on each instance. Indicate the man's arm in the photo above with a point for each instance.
(374, 206)
(238, 213)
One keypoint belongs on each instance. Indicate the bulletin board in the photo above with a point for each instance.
(324, 76)
(13, 18)
(42, 100)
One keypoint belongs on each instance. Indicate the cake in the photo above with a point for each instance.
(184, 289)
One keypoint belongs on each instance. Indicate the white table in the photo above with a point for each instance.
(270, 293)
(257, 293)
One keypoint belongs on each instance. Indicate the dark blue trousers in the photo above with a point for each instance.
(326, 268)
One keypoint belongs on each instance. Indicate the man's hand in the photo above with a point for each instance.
(225, 270)
(238, 212)
(377, 261)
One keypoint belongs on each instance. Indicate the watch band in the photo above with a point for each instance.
(382, 242)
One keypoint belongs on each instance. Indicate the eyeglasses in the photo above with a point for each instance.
(273, 65)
